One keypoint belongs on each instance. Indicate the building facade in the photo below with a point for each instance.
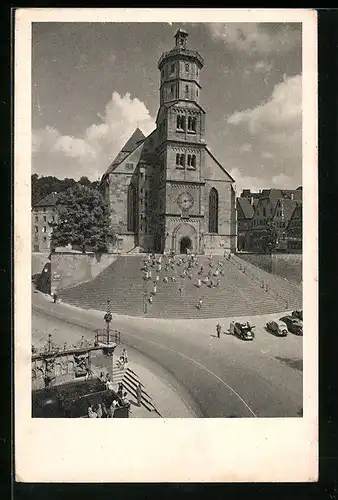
(245, 212)
(43, 213)
(269, 207)
(167, 192)
(294, 230)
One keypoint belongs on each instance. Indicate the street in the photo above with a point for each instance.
(224, 377)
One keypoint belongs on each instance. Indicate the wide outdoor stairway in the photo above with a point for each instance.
(243, 290)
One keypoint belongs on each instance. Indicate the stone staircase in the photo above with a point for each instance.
(239, 292)
(289, 292)
(130, 381)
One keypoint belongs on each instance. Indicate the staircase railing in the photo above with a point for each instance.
(262, 283)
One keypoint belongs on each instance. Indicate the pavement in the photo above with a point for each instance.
(213, 377)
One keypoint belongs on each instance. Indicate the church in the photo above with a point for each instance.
(167, 192)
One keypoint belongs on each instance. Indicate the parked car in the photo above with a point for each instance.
(294, 325)
(242, 330)
(278, 327)
(298, 314)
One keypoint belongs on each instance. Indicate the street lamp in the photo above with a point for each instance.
(108, 317)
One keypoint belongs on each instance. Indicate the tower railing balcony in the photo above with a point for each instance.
(181, 51)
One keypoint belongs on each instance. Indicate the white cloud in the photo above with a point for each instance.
(245, 148)
(283, 181)
(282, 110)
(275, 125)
(256, 38)
(91, 153)
(266, 155)
(247, 181)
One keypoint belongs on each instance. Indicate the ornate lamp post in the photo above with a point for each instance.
(108, 317)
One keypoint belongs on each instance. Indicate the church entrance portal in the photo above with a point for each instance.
(185, 244)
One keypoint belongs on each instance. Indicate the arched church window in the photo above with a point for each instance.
(131, 209)
(189, 161)
(178, 121)
(183, 122)
(193, 161)
(193, 124)
(178, 159)
(213, 211)
(189, 123)
(182, 159)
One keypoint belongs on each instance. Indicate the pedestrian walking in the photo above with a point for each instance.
(218, 330)
(154, 290)
(150, 299)
(125, 355)
(173, 278)
(198, 284)
(199, 304)
(180, 289)
(157, 278)
(55, 297)
(165, 279)
(139, 394)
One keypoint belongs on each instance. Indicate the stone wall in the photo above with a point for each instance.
(286, 265)
(69, 268)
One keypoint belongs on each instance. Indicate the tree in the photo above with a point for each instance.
(267, 241)
(83, 220)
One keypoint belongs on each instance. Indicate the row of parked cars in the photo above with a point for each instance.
(292, 323)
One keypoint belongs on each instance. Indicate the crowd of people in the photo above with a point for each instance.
(102, 410)
(171, 268)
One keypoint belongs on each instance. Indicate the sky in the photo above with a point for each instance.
(94, 83)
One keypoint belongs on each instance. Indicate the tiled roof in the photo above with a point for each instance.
(289, 206)
(49, 201)
(246, 207)
(132, 143)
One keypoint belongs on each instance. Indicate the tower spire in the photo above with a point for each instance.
(181, 38)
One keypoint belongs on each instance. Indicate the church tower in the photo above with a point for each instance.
(167, 192)
(181, 148)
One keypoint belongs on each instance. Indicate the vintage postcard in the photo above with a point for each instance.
(166, 245)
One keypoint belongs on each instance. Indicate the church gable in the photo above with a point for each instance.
(213, 170)
(129, 164)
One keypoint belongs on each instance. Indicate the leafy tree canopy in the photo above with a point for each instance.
(83, 220)
(44, 185)
(267, 241)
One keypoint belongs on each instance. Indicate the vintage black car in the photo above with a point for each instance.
(298, 314)
(72, 399)
(242, 330)
(294, 324)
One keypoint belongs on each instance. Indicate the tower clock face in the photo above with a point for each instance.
(185, 201)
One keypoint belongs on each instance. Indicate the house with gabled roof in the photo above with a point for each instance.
(245, 213)
(167, 192)
(43, 213)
